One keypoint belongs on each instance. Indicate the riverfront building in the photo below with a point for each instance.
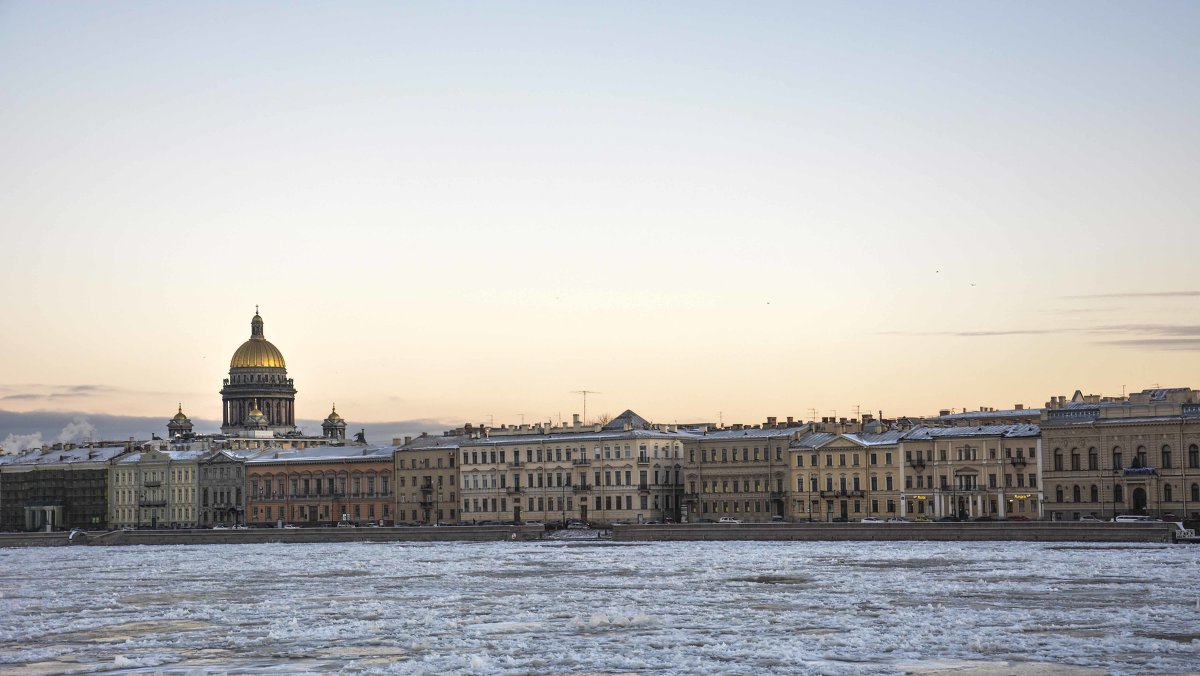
(741, 471)
(627, 470)
(846, 476)
(64, 486)
(972, 472)
(320, 485)
(427, 479)
(184, 485)
(1134, 455)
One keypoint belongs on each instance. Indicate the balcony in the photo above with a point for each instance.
(1018, 461)
(516, 464)
(778, 495)
(581, 461)
(644, 487)
(426, 504)
(691, 496)
(643, 460)
(515, 490)
(427, 488)
(843, 494)
(151, 484)
(581, 488)
(917, 464)
(155, 502)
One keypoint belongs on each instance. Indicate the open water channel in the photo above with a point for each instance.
(576, 606)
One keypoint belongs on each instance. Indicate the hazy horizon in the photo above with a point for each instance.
(699, 211)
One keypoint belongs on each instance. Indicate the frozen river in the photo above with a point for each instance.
(553, 607)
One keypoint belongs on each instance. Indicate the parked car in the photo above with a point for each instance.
(898, 519)
(923, 519)
(342, 524)
(984, 518)
(533, 522)
(706, 521)
(288, 525)
(653, 522)
(1133, 518)
(577, 525)
(1091, 519)
(728, 519)
(871, 519)
(776, 518)
(219, 526)
(948, 519)
(1016, 517)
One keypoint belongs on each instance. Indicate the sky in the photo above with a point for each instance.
(701, 211)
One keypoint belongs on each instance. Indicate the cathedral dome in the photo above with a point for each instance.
(180, 417)
(258, 352)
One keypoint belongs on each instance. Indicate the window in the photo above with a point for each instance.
(1117, 458)
(1076, 494)
(1166, 457)
(1058, 493)
(1093, 459)
(1095, 493)
(1193, 456)
(1058, 461)
(1075, 466)
(1118, 493)
(1196, 492)
(1167, 497)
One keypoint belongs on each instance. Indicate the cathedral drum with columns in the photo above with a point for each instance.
(258, 396)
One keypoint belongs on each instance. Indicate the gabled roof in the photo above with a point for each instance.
(628, 418)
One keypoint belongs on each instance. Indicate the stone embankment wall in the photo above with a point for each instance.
(259, 535)
(1030, 531)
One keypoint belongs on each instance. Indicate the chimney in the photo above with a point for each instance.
(789, 421)
(574, 420)
(771, 420)
(1019, 407)
(407, 440)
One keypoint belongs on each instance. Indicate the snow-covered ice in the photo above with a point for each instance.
(549, 607)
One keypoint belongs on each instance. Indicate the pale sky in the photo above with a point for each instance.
(454, 210)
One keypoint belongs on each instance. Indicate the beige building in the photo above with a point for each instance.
(739, 471)
(427, 479)
(972, 472)
(1136, 455)
(627, 470)
(175, 486)
(845, 476)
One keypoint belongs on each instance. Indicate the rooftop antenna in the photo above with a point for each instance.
(585, 393)
(491, 420)
(857, 410)
(812, 414)
(721, 418)
(522, 418)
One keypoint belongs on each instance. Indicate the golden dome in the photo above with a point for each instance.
(180, 416)
(333, 415)
(258, 352)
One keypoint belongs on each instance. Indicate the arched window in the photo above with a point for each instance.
(1166, 456)
(1117, 458)
(1095, 493)
(1076, 494)
(1093, 459)
(1058, 493)
(1193, 456)
(1118, 493)
(1139, 460)
(1075, 459)
(1167, 493)
(1058, 460)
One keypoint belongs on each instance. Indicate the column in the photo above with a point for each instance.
(1000, 505)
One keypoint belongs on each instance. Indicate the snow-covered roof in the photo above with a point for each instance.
(928, 433)
(987, 415)
(755, 432)
(577, 437)
(628, 417)
(75, 455)
(172, 456)
(350, 452)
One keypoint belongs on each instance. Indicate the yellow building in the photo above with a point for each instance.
(1136, 455)
(845, 476)
(740, 471)
(627, 470)
(988, 471)
(427, 479)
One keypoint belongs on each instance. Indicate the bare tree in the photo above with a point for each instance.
(603, 419)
